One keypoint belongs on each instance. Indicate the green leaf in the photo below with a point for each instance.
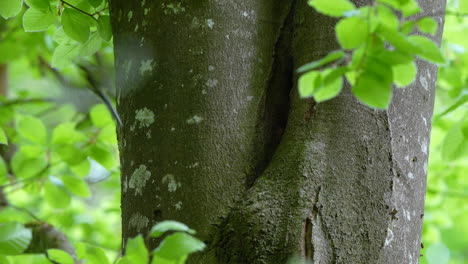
(92, 254)
(332, 56)
(3, 172)
(64, 54)
(70, 154)
(373, 86)
(454, 145)
(3, 137)
(395, 57)
(95, 3)
(60, 256)
(55, 194)
(398, 40)
(76, 185)
(65, 133)
(25, 167)
(335, 8)
(308, 82)
(14, 238)
(32, 129)
(169, 225)
(100, 116)
(410, 8)
(387, 17)
(404, 74)
(178, 246)
(41, 5)
(460, 101)
(76, 24)
(103, 156)
(91, 46)
(393, 3)
(104, 28)
(427, 25)
(35, 20)
(428, 50)
(332, 84)
(407, 27)
(61, 38)
(348, 36)
(136, 250)
(10, 8)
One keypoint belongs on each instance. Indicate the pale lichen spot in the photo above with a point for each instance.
(148, 134)
(424, 146)
(210, 23)
(410, 175)
(127, 67)
(245, 14)
(211, 68)
(145, 117)
(136, 28)
(178, 205)
(120, 15)
(203, 91)
(130, 15)
(194, 165)
(212, 83)
(143, 3)
(194, 120)
(146, 11)
(138, 179)
(424, 83)
(125, 185)
(142, 40)
(172, 128)
(389, 237)
(173, 8)
(171, 182)
(249, 98)
(146, 66)
(138, 221)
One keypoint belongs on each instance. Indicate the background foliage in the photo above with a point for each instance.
(59, 161)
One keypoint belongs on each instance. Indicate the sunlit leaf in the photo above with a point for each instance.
(427, 25)
(41, 5)
(335, 8)
(60, 256)
(14, 238)
(56, 194)
(348, 36)
(169, 225)
(178, 246)
(3, 137)
(331, 57)
(76, 185)
(10, 8)
(104, 28)
(428, 50)
(35, 20)
(76, 24)
(136, 250)
(32, 129)
(404, 74)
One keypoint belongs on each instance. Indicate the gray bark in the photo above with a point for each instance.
(215, 136)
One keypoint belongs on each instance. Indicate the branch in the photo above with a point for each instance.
(26, 101)
(79, 10)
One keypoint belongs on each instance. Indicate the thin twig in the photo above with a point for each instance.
(26, 211)
(26, 101)
(79, 10)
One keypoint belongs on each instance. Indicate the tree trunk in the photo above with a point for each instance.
(215, 136)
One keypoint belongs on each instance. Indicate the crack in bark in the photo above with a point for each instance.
(276, 103)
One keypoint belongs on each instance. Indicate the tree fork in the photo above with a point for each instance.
(337, 174)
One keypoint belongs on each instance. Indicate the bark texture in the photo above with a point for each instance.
(215, 136)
